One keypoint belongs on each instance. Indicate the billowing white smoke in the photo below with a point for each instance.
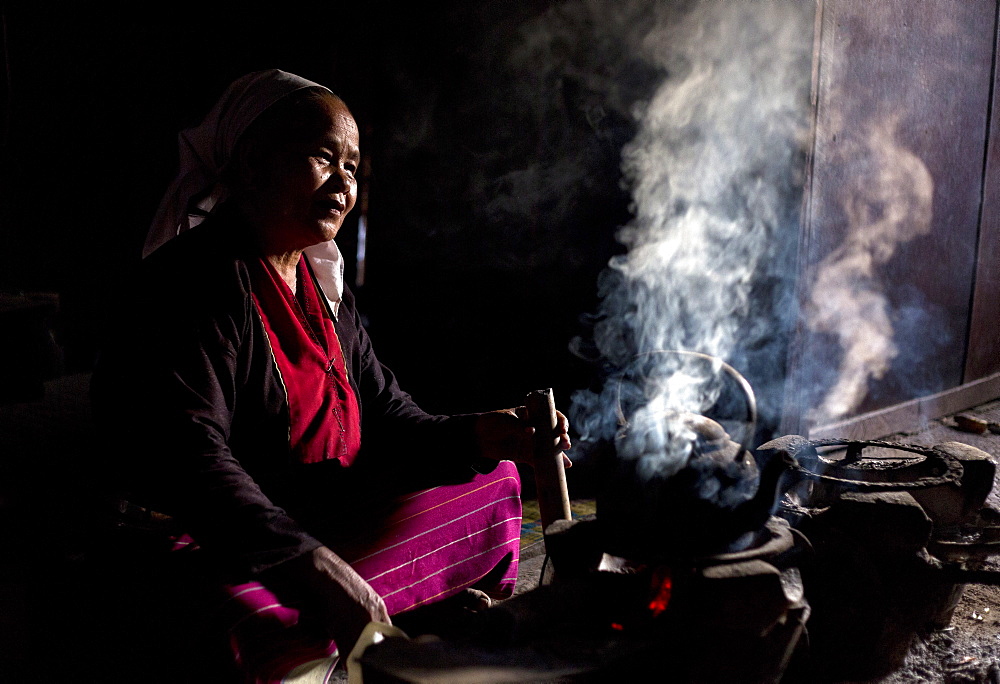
(715, 173)
(887, 202)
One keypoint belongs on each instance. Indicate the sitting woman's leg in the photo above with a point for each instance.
(423, 548)
(439, 541)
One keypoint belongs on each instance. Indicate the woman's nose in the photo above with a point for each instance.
(340, 180)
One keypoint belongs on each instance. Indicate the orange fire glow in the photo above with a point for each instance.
(662, 580)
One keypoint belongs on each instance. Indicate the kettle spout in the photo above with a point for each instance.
(776, 476)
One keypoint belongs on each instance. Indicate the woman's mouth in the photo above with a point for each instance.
(332, 206)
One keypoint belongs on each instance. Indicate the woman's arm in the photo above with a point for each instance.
(165, 391)
(331, 591)
(388, 410)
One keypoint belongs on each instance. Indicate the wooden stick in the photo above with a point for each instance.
(550, 474)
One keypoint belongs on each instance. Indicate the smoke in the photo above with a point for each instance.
(704, 107)
(887, 202)
(715, 173)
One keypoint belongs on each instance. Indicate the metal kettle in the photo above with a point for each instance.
(676, 484)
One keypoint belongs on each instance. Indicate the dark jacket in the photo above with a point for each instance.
(195, 417)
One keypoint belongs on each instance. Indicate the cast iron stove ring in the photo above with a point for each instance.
(934, 469)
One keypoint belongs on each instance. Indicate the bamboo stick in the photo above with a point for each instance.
(550, 474)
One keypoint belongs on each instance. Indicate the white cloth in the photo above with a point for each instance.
(207, 148)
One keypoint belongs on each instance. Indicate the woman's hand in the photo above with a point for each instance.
(505, 435)
(332, 593)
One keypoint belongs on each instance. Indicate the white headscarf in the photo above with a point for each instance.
(207, 148)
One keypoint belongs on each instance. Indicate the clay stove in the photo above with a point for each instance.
(896, 531)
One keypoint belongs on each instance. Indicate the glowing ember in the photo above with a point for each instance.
(664, 583)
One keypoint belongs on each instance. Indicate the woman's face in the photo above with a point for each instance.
(308, 185)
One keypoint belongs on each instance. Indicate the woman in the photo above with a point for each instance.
(250, 406)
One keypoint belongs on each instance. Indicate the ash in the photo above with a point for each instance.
(966, 653)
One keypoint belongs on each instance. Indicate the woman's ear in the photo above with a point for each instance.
(245, 170)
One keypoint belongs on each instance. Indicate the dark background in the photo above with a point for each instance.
(493, 185)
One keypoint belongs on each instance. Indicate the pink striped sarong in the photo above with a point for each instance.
(433, 544)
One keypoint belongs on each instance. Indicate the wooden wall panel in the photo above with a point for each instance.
(911, 80)
(983, 357)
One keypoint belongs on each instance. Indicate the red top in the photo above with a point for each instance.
(322, 408)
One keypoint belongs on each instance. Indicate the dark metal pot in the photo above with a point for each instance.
(676, 484)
